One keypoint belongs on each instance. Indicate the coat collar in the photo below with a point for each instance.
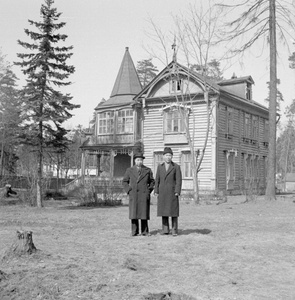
(144, 171)
(171, 167)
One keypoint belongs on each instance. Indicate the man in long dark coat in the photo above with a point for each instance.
(138, 183)
(168, 187)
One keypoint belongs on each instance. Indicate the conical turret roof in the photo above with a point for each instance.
(127, 83)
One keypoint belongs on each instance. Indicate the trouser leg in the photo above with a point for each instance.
(134, 227)
(144, 227)
(165, 225)
(174, 225)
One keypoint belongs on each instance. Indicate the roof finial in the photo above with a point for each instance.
(126, 48)
(234, 76)
(174, 49)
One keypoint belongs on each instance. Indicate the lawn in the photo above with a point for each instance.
(234, 250)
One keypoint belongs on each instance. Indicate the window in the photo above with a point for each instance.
(247, 126)
(158, 159)
(176, 85)
(255, 167)
(106, 122)
(186, 165)
(229, 122)
(255, 128)
(249, 91)
(230, 169)
(125, 121)
(266, 131)
(174, 121)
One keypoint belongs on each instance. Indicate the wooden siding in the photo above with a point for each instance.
(242, 147)
(108, 139)
(153, 139)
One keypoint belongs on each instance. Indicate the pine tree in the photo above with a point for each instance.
(45, 107)
(146, 71)
(212, 71)
(10, 111)
(263, 19)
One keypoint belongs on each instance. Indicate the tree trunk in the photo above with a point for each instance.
(39, 186)
(23, 244)
(270, 193)
(2, 153)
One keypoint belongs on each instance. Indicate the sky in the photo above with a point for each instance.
(99, 31)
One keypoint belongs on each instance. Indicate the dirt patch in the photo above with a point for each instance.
(234, 250)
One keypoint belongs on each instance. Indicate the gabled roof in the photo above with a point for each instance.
(126, 86)
(167, 71)
(211, 85)
(236, 80)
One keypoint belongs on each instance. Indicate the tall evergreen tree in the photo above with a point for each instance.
(263, 19)
(146, 71)
(45, 106)
(212, 70)
(10, 111)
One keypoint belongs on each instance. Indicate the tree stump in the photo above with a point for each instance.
(23, 244)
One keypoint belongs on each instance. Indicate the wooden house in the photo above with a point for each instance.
(228, 124)
(109, 148)
(237, 145)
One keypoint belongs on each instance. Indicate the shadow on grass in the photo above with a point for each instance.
(185, 231)
(80, 207)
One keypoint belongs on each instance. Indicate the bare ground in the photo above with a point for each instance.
(230, 251)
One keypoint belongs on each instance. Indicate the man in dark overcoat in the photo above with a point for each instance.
(138, 183)
(168, 187)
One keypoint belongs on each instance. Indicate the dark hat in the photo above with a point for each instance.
(138, 155)
(167, 150)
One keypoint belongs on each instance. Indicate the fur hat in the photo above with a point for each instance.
(138, 155)
(167, 150)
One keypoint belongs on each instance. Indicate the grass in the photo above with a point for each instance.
(234, 250)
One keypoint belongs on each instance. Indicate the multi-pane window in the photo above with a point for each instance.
(125, 121)
(174, 121)
(229, 122)
(186, 164)
(106, 122)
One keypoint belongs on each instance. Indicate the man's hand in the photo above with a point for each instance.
(176, 194)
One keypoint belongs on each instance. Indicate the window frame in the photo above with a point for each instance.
(229, 122)
(109, 122)
(186, 164)
(159, 155)
(125, 121)
(179, 120)
(176, 85)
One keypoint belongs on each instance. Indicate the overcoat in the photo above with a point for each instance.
(139, 187)
(166, 185)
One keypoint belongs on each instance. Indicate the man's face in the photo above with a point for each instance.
(138, 161)
(167, 157)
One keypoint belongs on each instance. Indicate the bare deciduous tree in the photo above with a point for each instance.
(261, 21)
(196, 35)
